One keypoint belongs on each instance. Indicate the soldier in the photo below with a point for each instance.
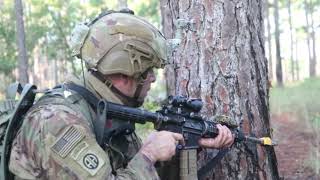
(57, 138)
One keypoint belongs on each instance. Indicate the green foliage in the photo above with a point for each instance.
(151, 104)
(8, 53)
(96, 2)
(149, 9)
(144, 129)
(48, 25)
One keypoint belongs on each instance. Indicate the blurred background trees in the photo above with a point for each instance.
(296, 24)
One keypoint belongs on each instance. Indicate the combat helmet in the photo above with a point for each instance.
(118, 42)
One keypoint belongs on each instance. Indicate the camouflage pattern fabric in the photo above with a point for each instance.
(57, 142)
(119, 43)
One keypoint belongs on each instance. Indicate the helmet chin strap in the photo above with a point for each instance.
(138, 92)
(130, 101)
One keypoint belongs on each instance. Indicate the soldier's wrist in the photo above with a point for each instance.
(148, 155)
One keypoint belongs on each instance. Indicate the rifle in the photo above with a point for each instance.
(180, 115)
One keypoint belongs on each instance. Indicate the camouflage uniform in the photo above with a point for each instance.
(57, 141)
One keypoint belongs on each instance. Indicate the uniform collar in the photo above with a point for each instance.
(97, 87)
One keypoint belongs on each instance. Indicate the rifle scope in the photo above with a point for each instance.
(194, 105)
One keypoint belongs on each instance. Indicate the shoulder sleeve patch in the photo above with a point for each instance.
(91, 162)
(65, 143)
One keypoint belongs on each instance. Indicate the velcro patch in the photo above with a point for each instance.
(70, 138)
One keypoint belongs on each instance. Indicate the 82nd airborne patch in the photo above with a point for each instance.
(91, 162)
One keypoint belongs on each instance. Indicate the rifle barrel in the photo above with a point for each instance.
(132, 114)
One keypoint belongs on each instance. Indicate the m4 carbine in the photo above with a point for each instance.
(180, 115)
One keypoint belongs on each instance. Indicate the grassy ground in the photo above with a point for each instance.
(302, 101)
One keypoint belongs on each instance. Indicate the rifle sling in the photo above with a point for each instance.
(100, 122)
(85, 93)
(202, 172)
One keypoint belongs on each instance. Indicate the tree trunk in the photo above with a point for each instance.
(277, 39)
(297, 60)
(55, 67)
(291, 40)
(23, 58)
(221, 59)
(313, 64)
(306, 10)
(122, 4)
(269, 41)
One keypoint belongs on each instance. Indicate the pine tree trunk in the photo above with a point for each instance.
(278, 50)
(56, 70)
(306, 10)
(221, 59)
(291, 40)
(313, 64)
(23, 58)
(297, 60)
(270, 71)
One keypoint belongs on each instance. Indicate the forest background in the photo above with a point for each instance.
(292, 29)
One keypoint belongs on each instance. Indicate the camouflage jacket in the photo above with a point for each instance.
(57, 141)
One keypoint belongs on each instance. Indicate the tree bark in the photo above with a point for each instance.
(221, 59)
(291, 40)
(278, 50)
(23, 58)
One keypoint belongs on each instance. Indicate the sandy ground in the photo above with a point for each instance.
(297, 145)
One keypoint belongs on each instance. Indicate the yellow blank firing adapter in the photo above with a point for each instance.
(267, 141)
